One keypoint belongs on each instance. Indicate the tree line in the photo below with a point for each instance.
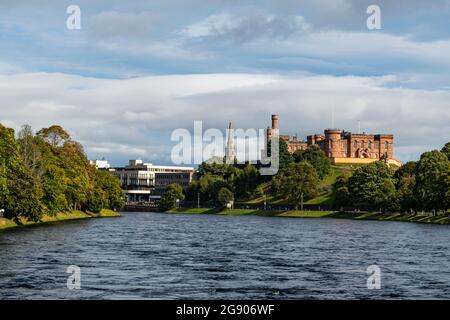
(219, 183)
(420, 185)
(48, 172)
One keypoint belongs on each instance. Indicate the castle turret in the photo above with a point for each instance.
(332, 139)
(274, 121)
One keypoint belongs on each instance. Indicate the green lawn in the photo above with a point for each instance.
(324, 197)
(320, 214)
(72, 215)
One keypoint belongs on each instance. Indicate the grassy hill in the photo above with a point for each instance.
(325, 188)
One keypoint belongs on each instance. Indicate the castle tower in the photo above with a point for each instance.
(273, 131)
(332, 142)
(230, 151)
(274, 121)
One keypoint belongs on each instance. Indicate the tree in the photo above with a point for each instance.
(246, 181)
(30, 153)
(446, 188)
(341, 195)
(223, 170)
(171, 194)
(115, 197)
(225, 196)
(214, 188)
(316, 157)
(20, 193)
(297, 182)
(285, 157)
(430, 179)
(55, 135)
(372, 185)
(405, 193)
(97, 200)
(408, 170)
(79, 173)
(446, 150)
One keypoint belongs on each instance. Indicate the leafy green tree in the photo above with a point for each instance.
(430, 179)
(405, 193)
(408, 170)
(20, 193)
(341, 195)
(296, 182)
(79, 172)
(226, 171)
(214, 188)
(224, 196)
(54, 179)
(446, 188)
(30, 153)
(285, 157)
(55, 135)
(372, 185)
(193, 191)
(115, 197)
(97, 200)
(168, 201)
(446, 150)
(171, 194)
(247, 181)
(315, 156)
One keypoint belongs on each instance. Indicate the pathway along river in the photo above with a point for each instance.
(173, 256)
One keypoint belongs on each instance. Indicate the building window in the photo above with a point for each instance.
(362, 144)
(355, 144)
(369, 145)
(386, 144)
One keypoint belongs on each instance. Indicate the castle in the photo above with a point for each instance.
(341, 146)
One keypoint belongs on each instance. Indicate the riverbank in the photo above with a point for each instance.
(320, 214)
(62, 216)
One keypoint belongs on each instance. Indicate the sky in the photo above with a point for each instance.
(138, 70)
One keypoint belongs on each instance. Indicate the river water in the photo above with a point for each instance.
(164, 256)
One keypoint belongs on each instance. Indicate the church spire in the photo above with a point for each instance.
(230, 152)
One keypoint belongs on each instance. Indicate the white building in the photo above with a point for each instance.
(138, 179)
(100, 164)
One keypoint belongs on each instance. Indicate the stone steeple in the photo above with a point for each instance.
(230, 151)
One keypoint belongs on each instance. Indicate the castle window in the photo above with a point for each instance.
(386, 145)
(362, 144)
(355, 144)
(369, 145)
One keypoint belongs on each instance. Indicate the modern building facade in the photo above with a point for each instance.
(143, 182)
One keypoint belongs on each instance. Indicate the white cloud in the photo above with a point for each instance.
(246, 27)
(134, 117)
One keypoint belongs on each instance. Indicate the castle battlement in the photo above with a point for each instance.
(342, 146)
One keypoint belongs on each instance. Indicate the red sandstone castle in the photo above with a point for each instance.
(341, 146)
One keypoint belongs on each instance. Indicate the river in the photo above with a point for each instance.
(177, 256)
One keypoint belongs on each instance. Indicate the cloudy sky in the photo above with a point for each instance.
(136, 71)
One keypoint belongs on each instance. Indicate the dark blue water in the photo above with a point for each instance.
(163, 256)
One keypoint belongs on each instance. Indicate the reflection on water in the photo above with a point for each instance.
(163, 256)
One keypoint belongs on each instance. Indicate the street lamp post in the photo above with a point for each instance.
(301, 202)
(198, 199)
